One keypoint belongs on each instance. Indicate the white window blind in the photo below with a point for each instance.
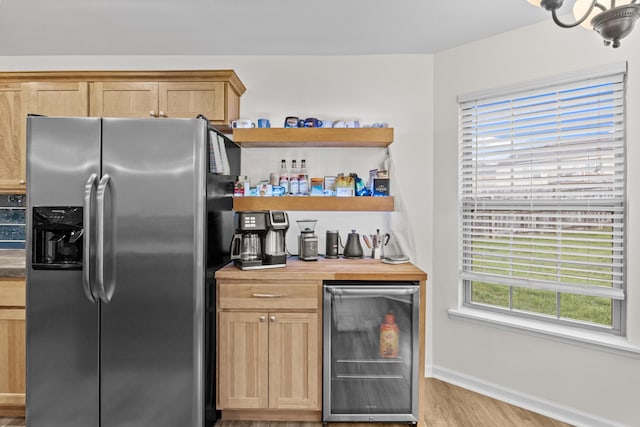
(542, 187)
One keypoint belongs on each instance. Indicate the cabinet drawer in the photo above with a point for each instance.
(268, 296)
(12, 293)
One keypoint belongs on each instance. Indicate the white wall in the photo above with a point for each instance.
(600, 386)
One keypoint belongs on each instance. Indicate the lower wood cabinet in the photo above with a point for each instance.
(12, 347)
(269, 351)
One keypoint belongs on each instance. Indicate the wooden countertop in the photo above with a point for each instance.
(328, 269)
(12, 262)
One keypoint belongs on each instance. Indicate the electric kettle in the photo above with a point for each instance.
(353, 248)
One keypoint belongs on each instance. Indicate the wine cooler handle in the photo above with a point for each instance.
(370, 291)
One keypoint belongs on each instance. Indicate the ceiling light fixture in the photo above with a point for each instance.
(612, 23)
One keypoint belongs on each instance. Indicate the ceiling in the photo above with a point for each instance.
(250, 27)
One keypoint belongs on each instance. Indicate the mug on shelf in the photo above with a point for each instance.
(312, 122)
(264, 123)
(291, 122)
(242, 123)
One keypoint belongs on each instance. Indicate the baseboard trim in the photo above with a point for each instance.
(531, 403)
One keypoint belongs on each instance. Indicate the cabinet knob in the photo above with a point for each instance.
(162, 114)
(272, 318)
(263, 318)
(152, 113)
(22, 182)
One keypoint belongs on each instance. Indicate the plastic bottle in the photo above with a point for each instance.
(303, 179)
(284, 176)
(389, 337)
(294, 183)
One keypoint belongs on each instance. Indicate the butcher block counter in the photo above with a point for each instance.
(269, 334)
(329, 269)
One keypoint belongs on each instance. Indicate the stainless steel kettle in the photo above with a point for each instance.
(353, 248)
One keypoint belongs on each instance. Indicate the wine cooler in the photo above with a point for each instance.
(370, 351)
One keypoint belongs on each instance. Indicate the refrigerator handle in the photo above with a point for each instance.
(100, 239)
(89, 194)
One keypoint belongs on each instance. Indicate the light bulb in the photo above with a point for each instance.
(535, 2)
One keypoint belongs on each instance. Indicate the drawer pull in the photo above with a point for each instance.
(266, 296)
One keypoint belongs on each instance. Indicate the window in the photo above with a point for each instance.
(542, 199)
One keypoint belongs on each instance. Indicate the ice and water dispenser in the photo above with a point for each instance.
(57, 238)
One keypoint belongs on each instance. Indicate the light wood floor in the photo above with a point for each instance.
(446, 406)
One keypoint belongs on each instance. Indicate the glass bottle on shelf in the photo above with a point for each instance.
(284, 176)
(294, 183)
(303, 179)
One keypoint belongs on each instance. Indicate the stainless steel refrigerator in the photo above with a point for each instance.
(118, 231)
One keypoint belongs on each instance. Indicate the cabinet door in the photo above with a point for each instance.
(294, 353)
(12, 139)
(57, 98)
(243, 360)
(188, 99)
(12, 361)
(124, 99)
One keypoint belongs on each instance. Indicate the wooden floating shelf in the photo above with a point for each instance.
(319, 203)
(313, 137)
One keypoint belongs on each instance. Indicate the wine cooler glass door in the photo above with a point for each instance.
(370, 352)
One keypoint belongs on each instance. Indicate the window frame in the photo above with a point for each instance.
(618, 304)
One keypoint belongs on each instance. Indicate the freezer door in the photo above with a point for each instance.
(62, 324)
(153, 262)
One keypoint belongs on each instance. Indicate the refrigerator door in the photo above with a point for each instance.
(62, 324)
(152, 316)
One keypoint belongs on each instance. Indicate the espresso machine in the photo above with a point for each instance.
(259, 241)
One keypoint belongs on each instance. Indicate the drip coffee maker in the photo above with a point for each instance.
(308, 241)
(259, 241)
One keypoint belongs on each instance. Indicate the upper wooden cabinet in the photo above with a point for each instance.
(124, 99)
(159, 99)
(183, 94)
(56, 98)
(12, 139)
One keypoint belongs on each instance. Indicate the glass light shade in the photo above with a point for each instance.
(535, 2)
(581, 6)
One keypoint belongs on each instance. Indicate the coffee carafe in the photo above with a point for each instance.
(275, 251)
(259, 239)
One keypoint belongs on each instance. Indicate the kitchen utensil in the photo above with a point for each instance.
(246, 247)
(308, 241)
(242, 123)
(333, 237)
(353, 248)
(291, 122)
(367, 241)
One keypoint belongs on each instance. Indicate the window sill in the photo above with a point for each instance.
(565, 334)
